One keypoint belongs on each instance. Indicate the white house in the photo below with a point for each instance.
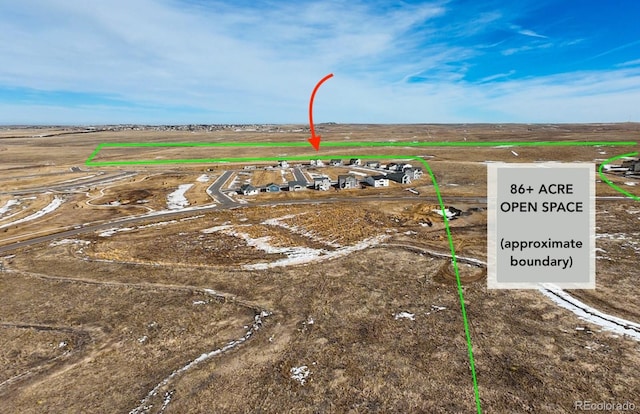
(377, 181)
(297, 185)
(347, 181)
(322, 183)
(248, 189)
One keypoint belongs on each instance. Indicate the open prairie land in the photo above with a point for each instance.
(164, 289)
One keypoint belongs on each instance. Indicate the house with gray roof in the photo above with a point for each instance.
(322, 183)
(347, 181)
(297, 185)
(400, 177)
(377, 180)
(248, 189)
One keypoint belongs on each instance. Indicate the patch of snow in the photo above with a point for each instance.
(303, 255)
(436, 308)
(447, 211)
(278, 222)
(405, 315)
(203, 178)
(590, 314)
(53, 205)
(216, 229)
(143, 340)
(358, 173)
(192, 217)
(111, 232)
(67, 241)
(630, 183)
(176, 200)
(62, 344)
(199, 302)
(8, 205)
(514, 153)
(300, 374)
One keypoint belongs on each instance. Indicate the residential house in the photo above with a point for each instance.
(400, 177)
(391, 166)
(347, 181)
(335, 163)
(415, 173)
(355, 161)
(377, 180)
(297, 185)
(248, 189)
(373, 164)
(322, 183)
(283, 164)
(272, 188)
(632, 165)
(317, 163)
(403, 166)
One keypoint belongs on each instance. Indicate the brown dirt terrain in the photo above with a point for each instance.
(95, 323)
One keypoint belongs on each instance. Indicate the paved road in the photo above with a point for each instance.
(300, 175)
(74, 184)
(215, 190)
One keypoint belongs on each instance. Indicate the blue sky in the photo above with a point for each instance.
(201, 61)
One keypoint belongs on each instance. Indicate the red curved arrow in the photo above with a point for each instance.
(315, 139)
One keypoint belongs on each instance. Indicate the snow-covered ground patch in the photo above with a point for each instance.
(358, 173)
(631, 183)
(448, 212)
(52, 206)
(295, 255)
(8, 205)
(303, 255)
(204, 178)
(176, 200)
(68, 241)
(587, 313)
(405, 315)
(514, 153)
(300, 374)
(278, 222)
(436, 308)
(111, 232)
(216, 229)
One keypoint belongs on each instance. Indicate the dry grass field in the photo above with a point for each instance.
(307, 302)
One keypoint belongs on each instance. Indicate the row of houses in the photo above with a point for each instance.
(345, 182)
(358, 162)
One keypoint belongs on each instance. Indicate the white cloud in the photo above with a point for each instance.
(531, 33)
(252, 64)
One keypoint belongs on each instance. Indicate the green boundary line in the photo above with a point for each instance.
(612, 185)
(90, 162)
(342, 144)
